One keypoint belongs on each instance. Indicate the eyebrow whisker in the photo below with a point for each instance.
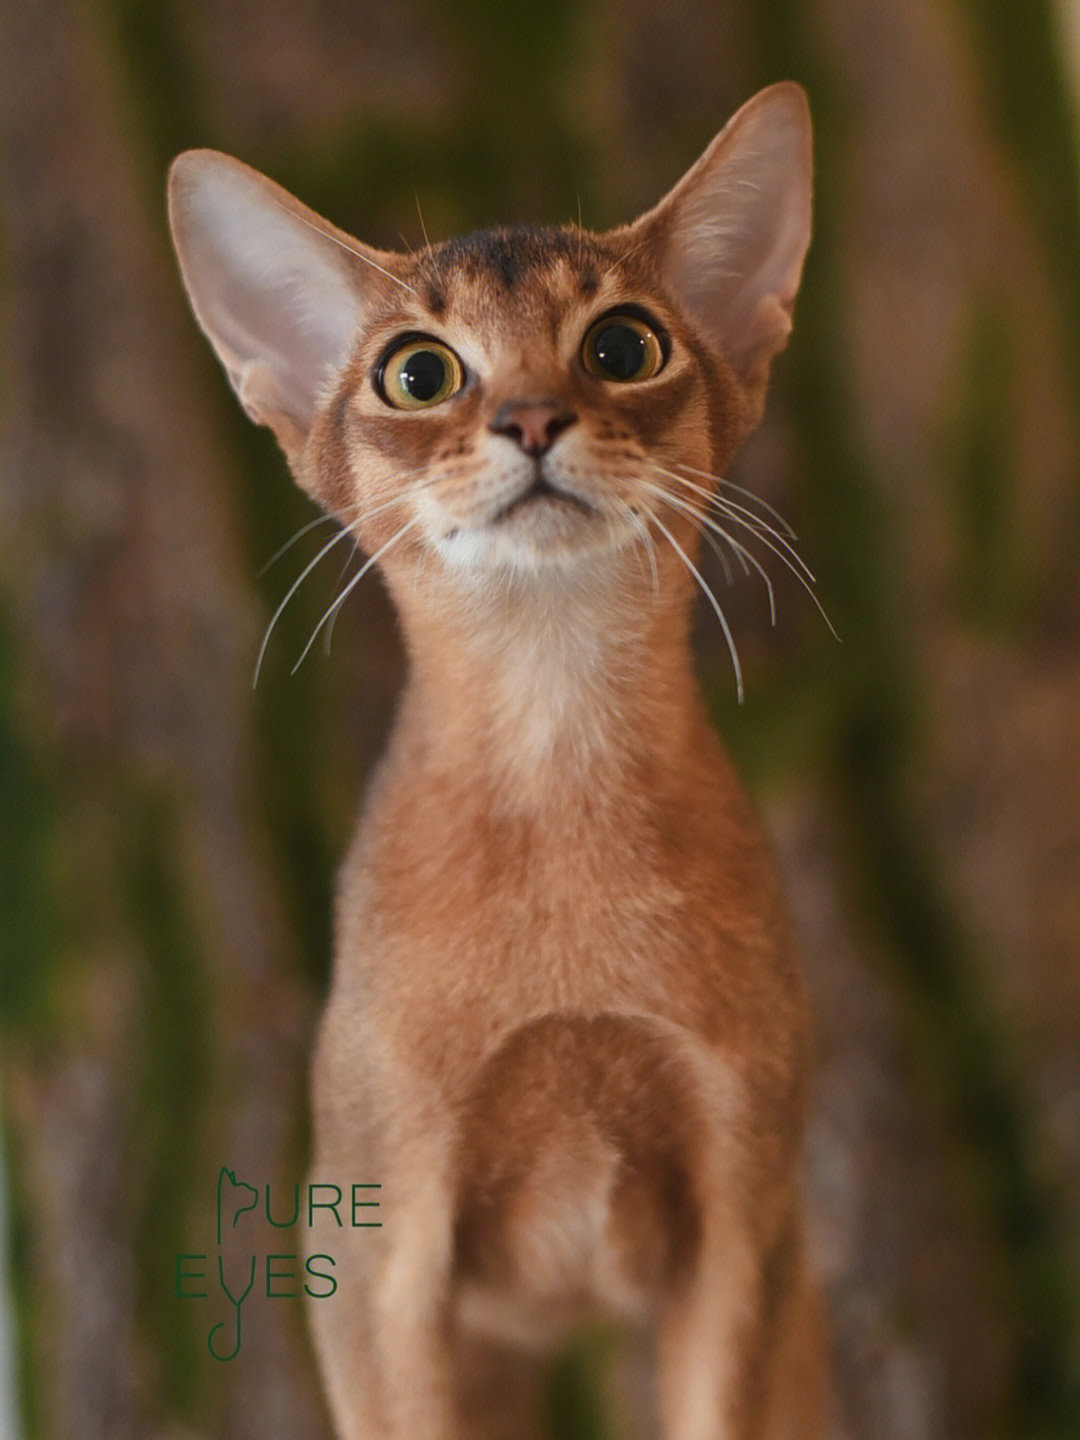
(344, 245)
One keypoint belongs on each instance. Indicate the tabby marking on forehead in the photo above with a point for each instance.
(435, 299)
(512, 253)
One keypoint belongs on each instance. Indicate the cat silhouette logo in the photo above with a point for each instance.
(232, 1201)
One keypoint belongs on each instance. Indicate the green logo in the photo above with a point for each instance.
(231, 1272)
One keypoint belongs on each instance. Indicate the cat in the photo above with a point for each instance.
(567, 1031)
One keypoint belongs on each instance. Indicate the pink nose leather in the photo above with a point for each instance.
(534, 425)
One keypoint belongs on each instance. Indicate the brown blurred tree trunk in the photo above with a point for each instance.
(169, 1036)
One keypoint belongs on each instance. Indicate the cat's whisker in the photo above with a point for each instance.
(766, 535)
(345, 531)
(748, 559)
(784, 553)
(429, 253)
(712, 538)
(707, 592)
(701, 523)
(649, 546)
(332, 611)
(725, 564)
(794, 564)
(713, 533)
(713, 542)
(800, 571)
(349, 249)
(323, 519)
(308, 568)
(640, 527)
(578, 229)
(715, 480)
(622, 259)
(329, 635)
(741, 515)
(748, 520)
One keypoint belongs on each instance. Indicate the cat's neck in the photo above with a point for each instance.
(545, 682)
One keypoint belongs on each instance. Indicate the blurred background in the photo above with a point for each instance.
(169, 834)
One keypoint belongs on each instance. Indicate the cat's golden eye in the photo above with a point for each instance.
(622, 347)
(419, 373)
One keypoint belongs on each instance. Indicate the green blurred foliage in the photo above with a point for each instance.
(516, 138)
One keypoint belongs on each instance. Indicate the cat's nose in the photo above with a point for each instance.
(533, 424)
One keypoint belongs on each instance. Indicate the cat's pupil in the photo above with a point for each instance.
(423, 374)
(620, 350)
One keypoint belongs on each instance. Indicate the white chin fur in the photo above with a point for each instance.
(531, 544)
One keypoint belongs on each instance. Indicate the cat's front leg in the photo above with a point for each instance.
(740, 1342)
(412, 1311)
(384, 1339)
(708, 1334)
(344, 1340)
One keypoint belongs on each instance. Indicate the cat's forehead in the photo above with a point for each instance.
(514, 254)
(530, 270)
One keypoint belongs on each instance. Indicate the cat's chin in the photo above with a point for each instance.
(536, 537)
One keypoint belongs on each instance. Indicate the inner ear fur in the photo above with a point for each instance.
(277, 289)
(731, 237)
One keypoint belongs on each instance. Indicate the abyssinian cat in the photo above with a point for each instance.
(567, 1032)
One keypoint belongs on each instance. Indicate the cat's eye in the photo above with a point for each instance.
(622, 347)
(419, 373)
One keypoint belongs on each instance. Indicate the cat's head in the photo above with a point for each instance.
(517, 398)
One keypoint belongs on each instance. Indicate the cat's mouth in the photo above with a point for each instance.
(541, 491)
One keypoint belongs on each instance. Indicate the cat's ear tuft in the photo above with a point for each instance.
(274, 286)
(732, 235)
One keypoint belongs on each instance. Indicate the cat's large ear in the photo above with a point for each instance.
(277, 289)
(732, 235)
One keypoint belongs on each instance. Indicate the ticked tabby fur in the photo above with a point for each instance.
(567, 1031)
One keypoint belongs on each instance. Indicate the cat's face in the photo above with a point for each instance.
(519, 400)
(524, 401)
